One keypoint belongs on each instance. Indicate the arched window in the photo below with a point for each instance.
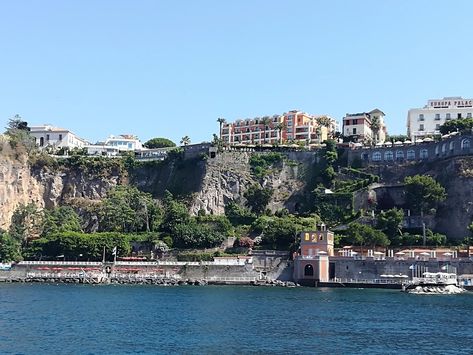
(444, 148)
(465, 144)
(411, 154)
(437, 151)
(452, 146)
(388, 156)
(376, 156)
(424, 154)
(41, 141)
(309, 270)
(399, 155)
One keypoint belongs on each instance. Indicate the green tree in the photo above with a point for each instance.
(185, 140)
(281, 126)
(159, 143)
(423, 193)
(390, 222)
(60, 219)
(361, 234)
(281, 232)
(9, 248)
(25, 222)
(375, 126)
(19, 133)
(463, 125)
(238, 215)
(126, 209)
(258, 198)
(265, 121)
(221, 122)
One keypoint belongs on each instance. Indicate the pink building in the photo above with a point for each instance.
(294, 126)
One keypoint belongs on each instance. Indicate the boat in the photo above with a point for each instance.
(433, 283)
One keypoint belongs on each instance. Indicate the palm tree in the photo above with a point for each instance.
(324, 121)
(280, 127)
(375, 127)
(185, 140)
(221, 121)
(266, 120)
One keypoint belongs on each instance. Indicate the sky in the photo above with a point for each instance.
(171, 68)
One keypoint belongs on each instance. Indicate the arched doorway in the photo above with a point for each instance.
(309, 270)
(41, 141)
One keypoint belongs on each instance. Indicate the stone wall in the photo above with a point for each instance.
(458, 145)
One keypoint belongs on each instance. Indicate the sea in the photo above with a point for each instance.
(117, 319)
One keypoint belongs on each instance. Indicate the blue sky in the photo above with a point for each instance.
(170, 68)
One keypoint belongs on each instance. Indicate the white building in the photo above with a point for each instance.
(50, 136)
(357, 126)
(124, 142)
(426, 121)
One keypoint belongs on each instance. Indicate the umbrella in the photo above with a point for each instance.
(419, 141)
(322, 252)
(408, 142)
(400, 253)
(384, 275)
(428, 139)
(404, 276)
(354, 253)
(447, 254)
(425, 253)
(398, 143)
(378, 253)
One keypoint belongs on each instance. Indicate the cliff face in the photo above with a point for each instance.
(456, 174)
(211, 184)
(20, 184)
(228, 176)
(17, 186)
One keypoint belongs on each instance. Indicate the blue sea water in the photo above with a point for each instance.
(105, 319)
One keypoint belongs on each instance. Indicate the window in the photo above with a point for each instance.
(459, 115)
(444, 148)
(437, 150)
(452, 146)
(41, 141)
(421, 127)
(411, 154)
(465, 144)
(468, 115)
(437, 116)
(421, 117)
(448, 116)
(437, 127)
(355, 122)
(354, 130)
(60, 137)
(376, 156)
(47, 137)
(399, 155)
(424, 154)
(388, 156)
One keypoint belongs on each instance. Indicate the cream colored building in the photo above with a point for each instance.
(357, 126)
(55, 137)
(426, 121)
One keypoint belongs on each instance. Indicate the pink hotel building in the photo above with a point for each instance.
(293, 126)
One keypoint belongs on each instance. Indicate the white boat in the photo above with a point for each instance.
(434, 283)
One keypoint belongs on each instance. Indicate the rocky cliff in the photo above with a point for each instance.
(210, 183)
(46, 187)
(228, 176)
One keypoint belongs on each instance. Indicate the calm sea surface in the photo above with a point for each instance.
(69, 319)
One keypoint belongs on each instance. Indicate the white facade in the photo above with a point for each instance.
(49, 136)
(124, 142)
(426, 121)
(102, 150)
(358, 126)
